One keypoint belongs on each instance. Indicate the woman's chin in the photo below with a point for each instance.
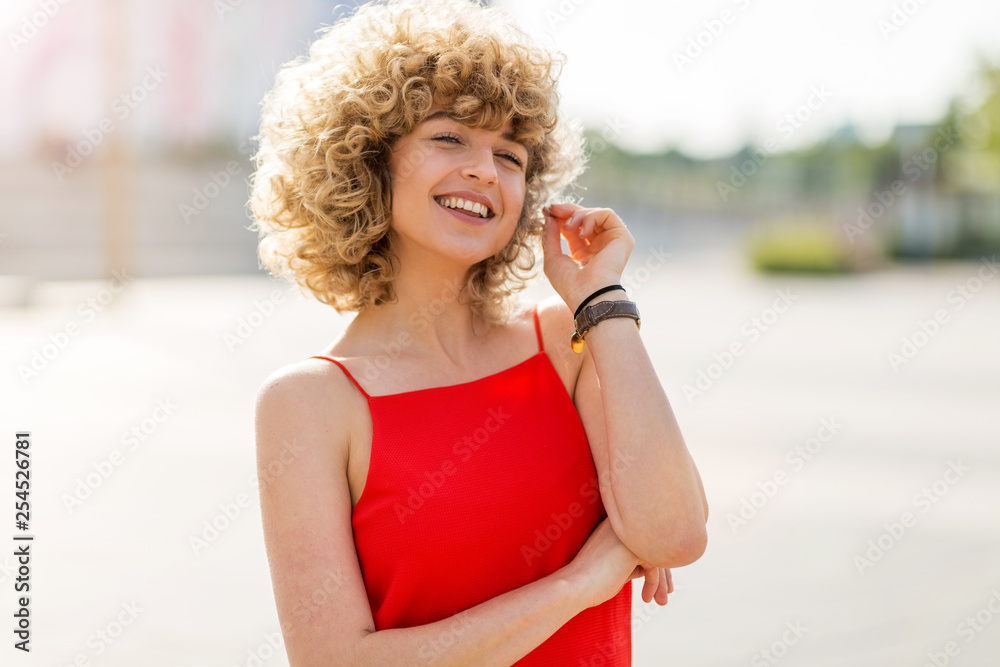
(471, 259)
(468, 255)
(460, 251)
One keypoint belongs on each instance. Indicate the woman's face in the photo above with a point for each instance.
(443, 161)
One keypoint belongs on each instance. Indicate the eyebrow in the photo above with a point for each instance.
(509, 136)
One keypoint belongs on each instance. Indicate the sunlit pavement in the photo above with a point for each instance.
(855, 496)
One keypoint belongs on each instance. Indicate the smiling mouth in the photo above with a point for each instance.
(470, 208)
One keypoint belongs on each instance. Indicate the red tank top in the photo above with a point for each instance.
(476, 489)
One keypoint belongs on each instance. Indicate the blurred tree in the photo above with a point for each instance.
(970, 172)
(983, 123)
(976, 165)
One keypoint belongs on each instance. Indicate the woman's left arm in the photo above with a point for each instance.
(649, 483)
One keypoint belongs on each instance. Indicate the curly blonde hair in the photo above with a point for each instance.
(321, 191)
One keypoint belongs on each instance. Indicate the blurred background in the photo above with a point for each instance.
(814, 189)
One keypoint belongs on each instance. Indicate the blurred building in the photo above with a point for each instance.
(126, 131)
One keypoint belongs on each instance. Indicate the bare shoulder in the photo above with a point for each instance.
(307, 395)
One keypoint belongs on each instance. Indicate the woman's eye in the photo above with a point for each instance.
(450, 138)
(513, 158)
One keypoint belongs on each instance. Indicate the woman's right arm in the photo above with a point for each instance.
(325, 616)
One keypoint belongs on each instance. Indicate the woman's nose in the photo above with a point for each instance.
(480, 164)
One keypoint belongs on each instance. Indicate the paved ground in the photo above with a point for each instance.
(818, 570)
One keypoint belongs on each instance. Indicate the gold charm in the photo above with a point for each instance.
(577, 342)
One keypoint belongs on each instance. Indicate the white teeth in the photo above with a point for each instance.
(458, 203)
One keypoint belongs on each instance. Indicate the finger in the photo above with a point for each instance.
(661, 590)
(577, 246)
(651, 584)
(553, 232)
(563, 210)
(590, 221)
(575, 220)
(670, 581)
(587, 221)
(550, 238)
(604, 219)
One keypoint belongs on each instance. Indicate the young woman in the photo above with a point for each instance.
(451, 482)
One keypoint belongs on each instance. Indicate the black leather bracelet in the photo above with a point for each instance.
(598, 312)
(599, 292)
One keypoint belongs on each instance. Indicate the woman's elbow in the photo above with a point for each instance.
(683, 547)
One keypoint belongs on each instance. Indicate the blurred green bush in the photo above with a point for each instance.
(800, 244)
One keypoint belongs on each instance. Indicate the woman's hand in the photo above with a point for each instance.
(604, 564)
(659, 582)
(599, 246)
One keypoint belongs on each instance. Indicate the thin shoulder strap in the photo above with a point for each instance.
(538, 330)
(346, 372)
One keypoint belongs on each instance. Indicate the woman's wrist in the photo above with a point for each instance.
(592, 311)
(576, 583)
(613, 295)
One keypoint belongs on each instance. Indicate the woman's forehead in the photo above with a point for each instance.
(437, 111)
